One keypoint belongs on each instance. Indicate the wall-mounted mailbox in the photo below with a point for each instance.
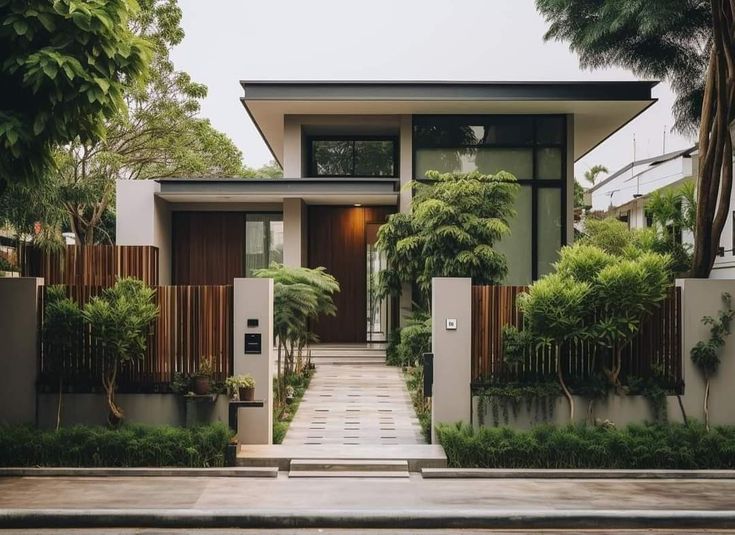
(253, 344)
(252, 322)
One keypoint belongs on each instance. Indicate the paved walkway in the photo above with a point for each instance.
(355, 404)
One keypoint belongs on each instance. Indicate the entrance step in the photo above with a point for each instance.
(348, 468)
(416, 456)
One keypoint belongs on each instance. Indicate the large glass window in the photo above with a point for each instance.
(263, 241)
(358, 157)
(533, 149)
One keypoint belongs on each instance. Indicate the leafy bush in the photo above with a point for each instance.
(282, 413)
(660, 446)
(126, 446)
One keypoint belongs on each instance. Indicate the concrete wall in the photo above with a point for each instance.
(144, 219)
(622, 410)
(451, 299)
(253, 300)
(18, 349)
(151, 409)
(294, 232)
(700, 297)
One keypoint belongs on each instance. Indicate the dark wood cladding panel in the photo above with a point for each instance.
(337, 241)
(208, 247)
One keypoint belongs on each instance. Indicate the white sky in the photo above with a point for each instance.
(230, 40)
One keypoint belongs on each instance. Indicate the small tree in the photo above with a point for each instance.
(120, 321)
(456, 220)
(706, 355)
(62, 331)
(624, 293)
(554, 310)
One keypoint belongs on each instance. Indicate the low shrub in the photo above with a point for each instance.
(656, 446)
(127, 446)
(283, 414)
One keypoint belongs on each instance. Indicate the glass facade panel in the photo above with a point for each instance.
(532, 148)
(263, 241)
(352, 157)
(549, 162)
(549, 228)
(374, 158)
(518, 246)
(518, 162)
(331, 158)
(550, 130)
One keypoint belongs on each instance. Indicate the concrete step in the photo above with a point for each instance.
(417, 456)
(352, 474)
(348, 468)
(350, 465)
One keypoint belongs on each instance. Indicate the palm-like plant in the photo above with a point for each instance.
(300, 295)
(591, 174)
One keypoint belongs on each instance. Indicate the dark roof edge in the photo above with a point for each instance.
(446, 90)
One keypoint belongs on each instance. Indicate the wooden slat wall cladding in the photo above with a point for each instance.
(657, 347)
(96, 265)
(193, 322)
(208, 247)
(338, 241)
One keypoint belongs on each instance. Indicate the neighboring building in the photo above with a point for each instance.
(347, 150)
(625, 193)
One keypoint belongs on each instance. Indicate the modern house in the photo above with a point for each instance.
(625, 193)
(348, 150)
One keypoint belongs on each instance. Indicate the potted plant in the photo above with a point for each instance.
(244, 385)
(203, 377)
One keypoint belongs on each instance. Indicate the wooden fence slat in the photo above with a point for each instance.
(193, 322)
(656, 348)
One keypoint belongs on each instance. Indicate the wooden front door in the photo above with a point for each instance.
(337, 241)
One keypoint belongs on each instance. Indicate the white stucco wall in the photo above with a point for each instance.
(144, 219)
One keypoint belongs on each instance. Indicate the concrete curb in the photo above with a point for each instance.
(521, 473)
(405, 519)
(251, 471)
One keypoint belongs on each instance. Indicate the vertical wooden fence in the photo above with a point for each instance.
(94, 265)
(193, 322)
(655, 349)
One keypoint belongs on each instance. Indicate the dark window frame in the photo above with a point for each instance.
(310, 164)
(534, 183)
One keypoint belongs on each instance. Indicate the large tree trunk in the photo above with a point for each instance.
(714, 183)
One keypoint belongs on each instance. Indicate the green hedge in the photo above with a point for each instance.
(661, 446)
(130, 445)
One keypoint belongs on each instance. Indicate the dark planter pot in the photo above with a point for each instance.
(201, 385)
(247, 393)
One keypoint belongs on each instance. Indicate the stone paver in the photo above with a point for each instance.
(355, 404)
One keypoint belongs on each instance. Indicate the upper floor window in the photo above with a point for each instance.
(340, 156)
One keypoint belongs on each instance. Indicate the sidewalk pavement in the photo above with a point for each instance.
(204, 502)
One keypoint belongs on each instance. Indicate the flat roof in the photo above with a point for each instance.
(268, 102)
(338, 191)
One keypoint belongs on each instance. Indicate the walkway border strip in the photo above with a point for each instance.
(524, 473)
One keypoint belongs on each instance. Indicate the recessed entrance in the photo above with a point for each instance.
(342, 239)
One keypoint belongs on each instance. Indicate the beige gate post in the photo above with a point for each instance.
(451, 344)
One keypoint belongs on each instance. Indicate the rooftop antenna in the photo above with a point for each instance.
(638, 176)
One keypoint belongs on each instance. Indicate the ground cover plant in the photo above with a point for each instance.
(283, 413)
(127, 446)
(655, 446)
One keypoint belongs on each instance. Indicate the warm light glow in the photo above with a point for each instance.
(357, 204)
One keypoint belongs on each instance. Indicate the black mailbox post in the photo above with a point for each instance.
(428, 374)
(253, 344)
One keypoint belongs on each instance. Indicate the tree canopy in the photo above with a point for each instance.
(64, 71)
(456, 219)
(690, 44)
